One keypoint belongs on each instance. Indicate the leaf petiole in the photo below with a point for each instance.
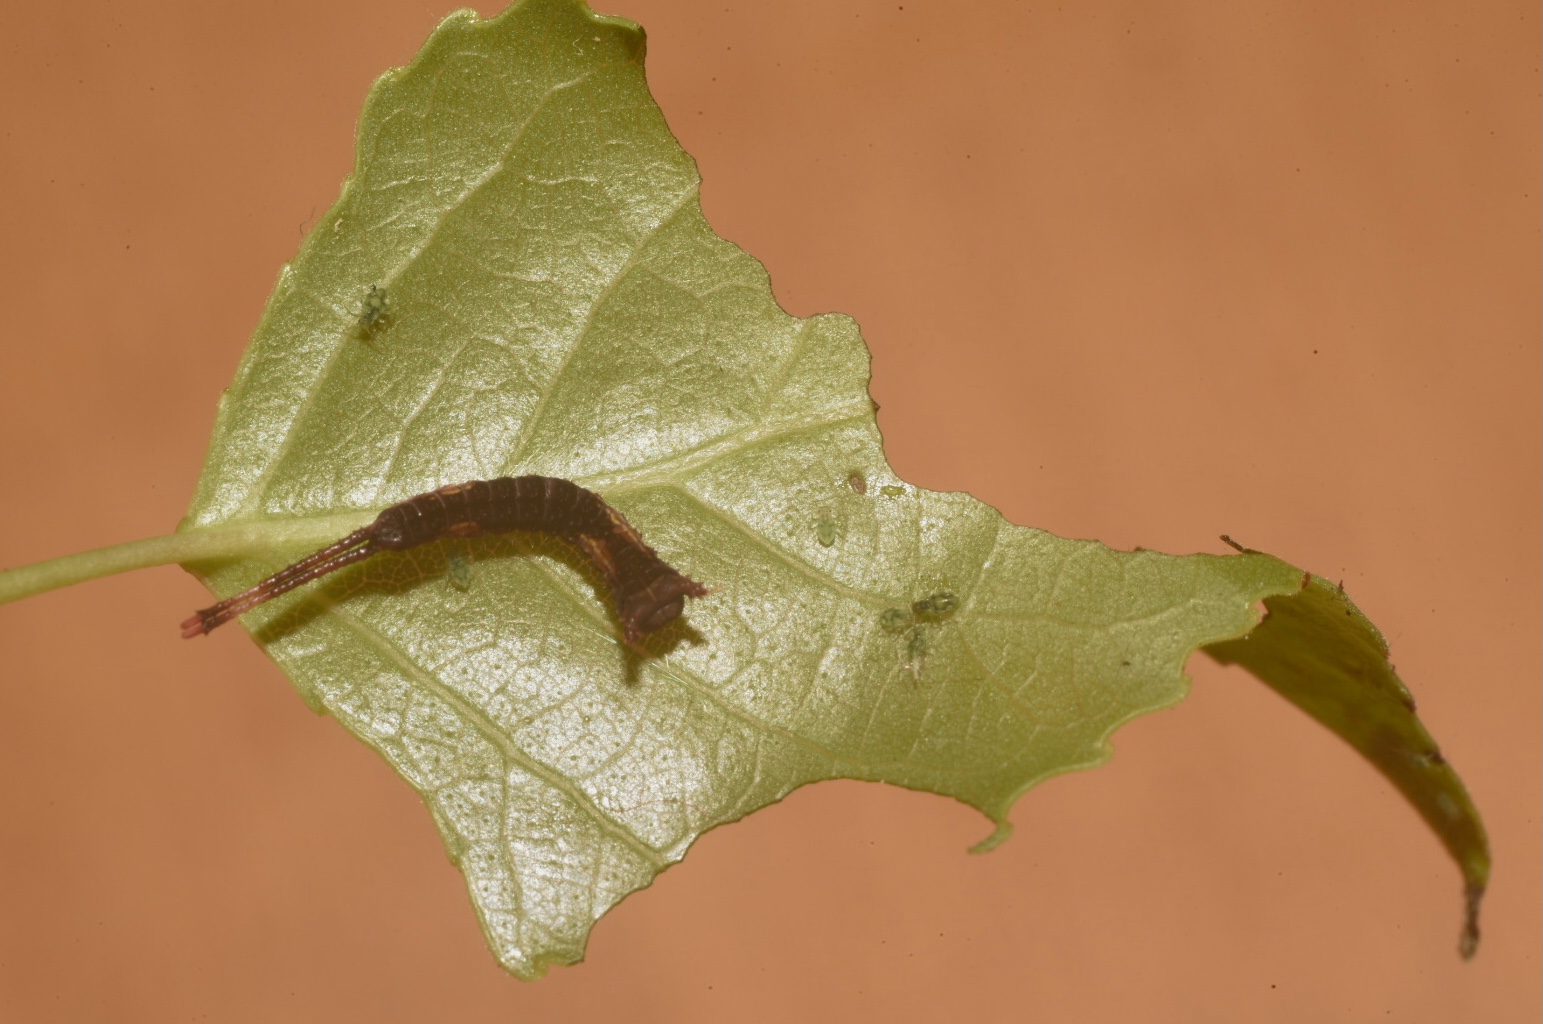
(202, 544)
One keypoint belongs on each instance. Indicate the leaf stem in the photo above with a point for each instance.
(201, 544)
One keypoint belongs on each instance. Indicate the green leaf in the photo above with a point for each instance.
(1317, 650)
(518, 279)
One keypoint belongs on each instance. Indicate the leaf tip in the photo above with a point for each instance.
(1468, 943)
(1004, 832)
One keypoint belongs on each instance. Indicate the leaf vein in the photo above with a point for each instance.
(511, 752)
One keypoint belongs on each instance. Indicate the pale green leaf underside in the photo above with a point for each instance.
(556, 304)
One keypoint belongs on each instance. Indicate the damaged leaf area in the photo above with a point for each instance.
(517, 279)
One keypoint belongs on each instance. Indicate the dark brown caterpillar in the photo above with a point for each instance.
(647, 592)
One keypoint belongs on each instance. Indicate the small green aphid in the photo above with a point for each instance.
(372, 313)
(825, 531)
(894, 619)
(916, 648)
(460, 571)
(935, 606)
(891, 491)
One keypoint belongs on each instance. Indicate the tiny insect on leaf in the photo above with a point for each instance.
(935, 607)
(373, 309)
(459, 568)
(825, 531)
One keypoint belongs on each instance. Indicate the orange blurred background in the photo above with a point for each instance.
(1141, 272)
